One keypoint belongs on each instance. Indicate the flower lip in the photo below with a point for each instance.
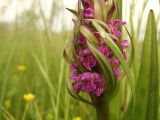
(74, 76)
(90, 82)
(104, 50)
(114, 25)
(73, 67)
(117, 23)
(89, 13)
(124, 44)
(114, 62)
(81, 40)
(117, 72)
(86, 57)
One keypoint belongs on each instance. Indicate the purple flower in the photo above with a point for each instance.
(117, 72)
(73, 67)
(89, 13)
(124, 44)
(104, 50)
(77, 86)
(89, 82)
(114, 62)
(81, 40)
(99, 91)
(89, 79)
(116, 32)
(114, 25)
(124, 54)
(86, 57)
(117, 23)
(74, 76)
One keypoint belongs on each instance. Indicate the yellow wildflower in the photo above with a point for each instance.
(7, 104)
(21, 68)
(29, 97)
(76, 118)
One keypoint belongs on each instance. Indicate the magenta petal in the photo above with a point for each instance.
(99, 91)
(114, 25)
(124, 44)
(114, 62)
(116, 32)
(124, 54)
(89, 13)
(117, 72)
(104, 51)
(87, 59)
(81, 40)
(73, 67)
(89, 63)
(73, 77)
(77, 86)
(90, 83)
(86, 76)
(117, 23)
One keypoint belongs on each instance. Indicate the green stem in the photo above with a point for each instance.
(102, 111)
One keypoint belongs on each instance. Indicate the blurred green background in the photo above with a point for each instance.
(33, 34)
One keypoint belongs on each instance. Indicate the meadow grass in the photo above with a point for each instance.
(45, 75)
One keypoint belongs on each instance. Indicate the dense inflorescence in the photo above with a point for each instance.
(90, 80)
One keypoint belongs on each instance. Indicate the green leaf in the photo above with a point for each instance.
(101, 23)
(132, 53)
(90, 37)
(104, 10)
(153, 97)
(97, 10)
(73, 11)
(147, 87)
(75, 95)
(120, 9)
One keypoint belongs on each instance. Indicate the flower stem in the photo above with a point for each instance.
(102, 111)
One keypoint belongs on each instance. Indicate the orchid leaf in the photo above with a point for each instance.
(73, 12)
(76, 95)
(66, 56)
(119, 2)
(153, 97)
(97, 10)
(90, 37)
(101, 23)
(147, 87)
(104, 10)
(132, 53)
